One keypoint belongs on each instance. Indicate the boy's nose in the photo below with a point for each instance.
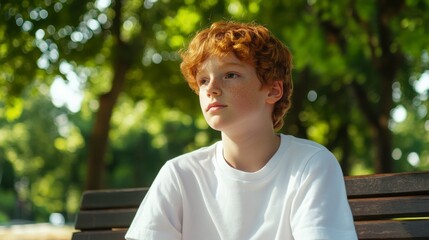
(213, 87)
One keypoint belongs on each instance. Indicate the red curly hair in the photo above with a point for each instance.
(251, 43)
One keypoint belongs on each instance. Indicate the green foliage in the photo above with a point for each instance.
(336, 45)
(7, 202)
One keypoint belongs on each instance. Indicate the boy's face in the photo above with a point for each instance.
(231, 96)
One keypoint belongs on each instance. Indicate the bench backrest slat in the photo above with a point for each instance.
(105, 219)
(389, 229)
(117, 198)
(390, 207)
(118, 234)
(387, 184)
(377, 201)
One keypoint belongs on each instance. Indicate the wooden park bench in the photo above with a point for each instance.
(384, 206)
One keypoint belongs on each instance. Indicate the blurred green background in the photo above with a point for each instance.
(91, 95)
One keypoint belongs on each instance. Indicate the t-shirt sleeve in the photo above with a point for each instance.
(160, 213)
(320, 209)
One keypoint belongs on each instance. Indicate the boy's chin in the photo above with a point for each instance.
(215, 128)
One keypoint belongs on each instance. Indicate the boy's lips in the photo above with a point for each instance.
(214, 106)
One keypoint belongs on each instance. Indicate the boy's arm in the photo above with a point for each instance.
(320, 209)
(160, 214)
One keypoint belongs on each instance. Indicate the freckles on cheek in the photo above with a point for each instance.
(239, 91)
(242, 93)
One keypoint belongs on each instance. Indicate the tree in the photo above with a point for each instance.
(348, 56)
(356, 52)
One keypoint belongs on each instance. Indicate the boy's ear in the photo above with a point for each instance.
(275, 92)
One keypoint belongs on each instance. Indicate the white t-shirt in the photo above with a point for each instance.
(298, 194)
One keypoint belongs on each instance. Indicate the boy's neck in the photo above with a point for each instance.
(251, 151)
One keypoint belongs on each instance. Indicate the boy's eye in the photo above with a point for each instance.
(231, 75)
(202, 81)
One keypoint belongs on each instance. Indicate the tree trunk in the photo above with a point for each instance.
(100, 133)
(387, 66)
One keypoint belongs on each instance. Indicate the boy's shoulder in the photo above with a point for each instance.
(302, 151)
(301, 143)
(310, 155)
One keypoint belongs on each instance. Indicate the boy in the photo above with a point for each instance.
(254, 184)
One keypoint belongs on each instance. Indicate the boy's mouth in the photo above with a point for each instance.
(215, 106)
